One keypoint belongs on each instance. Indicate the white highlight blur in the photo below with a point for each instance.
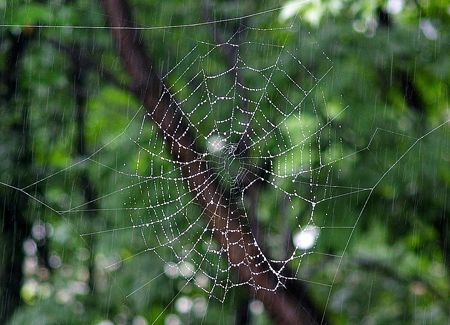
(256, 307)
(215, 143)
(428, 29)
(395, 6)
(184, 305)
(306, 237)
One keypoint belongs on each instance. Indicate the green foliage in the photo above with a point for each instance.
(378, 92)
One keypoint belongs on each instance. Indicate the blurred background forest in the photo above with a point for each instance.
(70, 121)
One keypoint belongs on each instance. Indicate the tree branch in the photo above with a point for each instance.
(78, 55)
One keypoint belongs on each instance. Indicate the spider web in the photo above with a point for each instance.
(252, 135)
(245, 145)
